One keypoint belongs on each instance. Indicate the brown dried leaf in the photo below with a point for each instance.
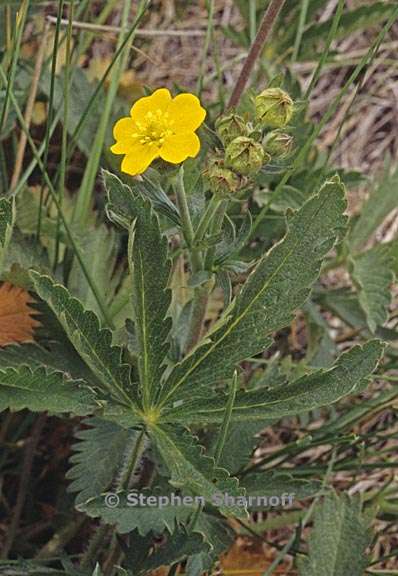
(16, 316)
(249, 557)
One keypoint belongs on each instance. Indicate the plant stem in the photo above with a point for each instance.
(215, 229)
(266, 26)
(187, 228)
(207, 217)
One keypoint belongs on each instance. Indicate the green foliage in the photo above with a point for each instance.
(129, 515)
(7, 218)
(320, 388)
(190, 469)
(92, 342)
(39, 390)
(373, 275)
(381, 201)
(280, 284)
(338, 540)
(97, 459)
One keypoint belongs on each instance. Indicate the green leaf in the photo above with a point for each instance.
(278, 286)
(338, 540)
(190, 469)
(278, 484)
(122, 205)
(150, 271)
(7, 219)
(133, 512)
(39, 391)
(92, 343)
(372, 273)
(99, 250)
(321, 388)
(97, 459)
(179, 545)
(379, 204)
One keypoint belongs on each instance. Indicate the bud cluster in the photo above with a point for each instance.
(251, 144)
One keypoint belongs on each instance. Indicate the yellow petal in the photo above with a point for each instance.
(177, 148)
(139, 158)
(123, 129)
(159, 100)
(121, 147)
(186, 112)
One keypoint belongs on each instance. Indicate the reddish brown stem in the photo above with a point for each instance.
(266, 26)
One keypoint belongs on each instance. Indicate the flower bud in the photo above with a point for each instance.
(222, 181)
(278, 144)
(245, 156)
(274, 108)
(230, 127)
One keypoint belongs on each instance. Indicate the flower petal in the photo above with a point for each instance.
(139, 158)
(121, 147)
(186, 112)
(177, 148)
(123, 129)
(159, 100)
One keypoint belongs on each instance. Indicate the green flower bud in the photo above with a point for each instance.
(278, 144)
(223, 182)
(230, 127)
(274, 108)
(245, 156)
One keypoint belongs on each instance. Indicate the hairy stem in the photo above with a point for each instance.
(265, 28)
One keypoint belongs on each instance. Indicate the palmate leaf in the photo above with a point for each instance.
(98, 457)
(191, 470)
(372, 273)
(277, 287)
(92, 342)
(150, 271)
(39, 390)
(321, 388)
(7, 219)
(338, 540)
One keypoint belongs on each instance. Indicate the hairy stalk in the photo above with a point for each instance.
(266, 26)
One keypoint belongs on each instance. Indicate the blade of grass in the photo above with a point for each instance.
(300, 28)
(20, 25)
(84, 198)
(302, 154)
(64, 142)
(325, 53)
(206, 46)
(54, 195)
(49, 112)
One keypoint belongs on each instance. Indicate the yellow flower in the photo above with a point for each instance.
(159, 126)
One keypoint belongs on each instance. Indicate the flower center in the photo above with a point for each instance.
(154, 128)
